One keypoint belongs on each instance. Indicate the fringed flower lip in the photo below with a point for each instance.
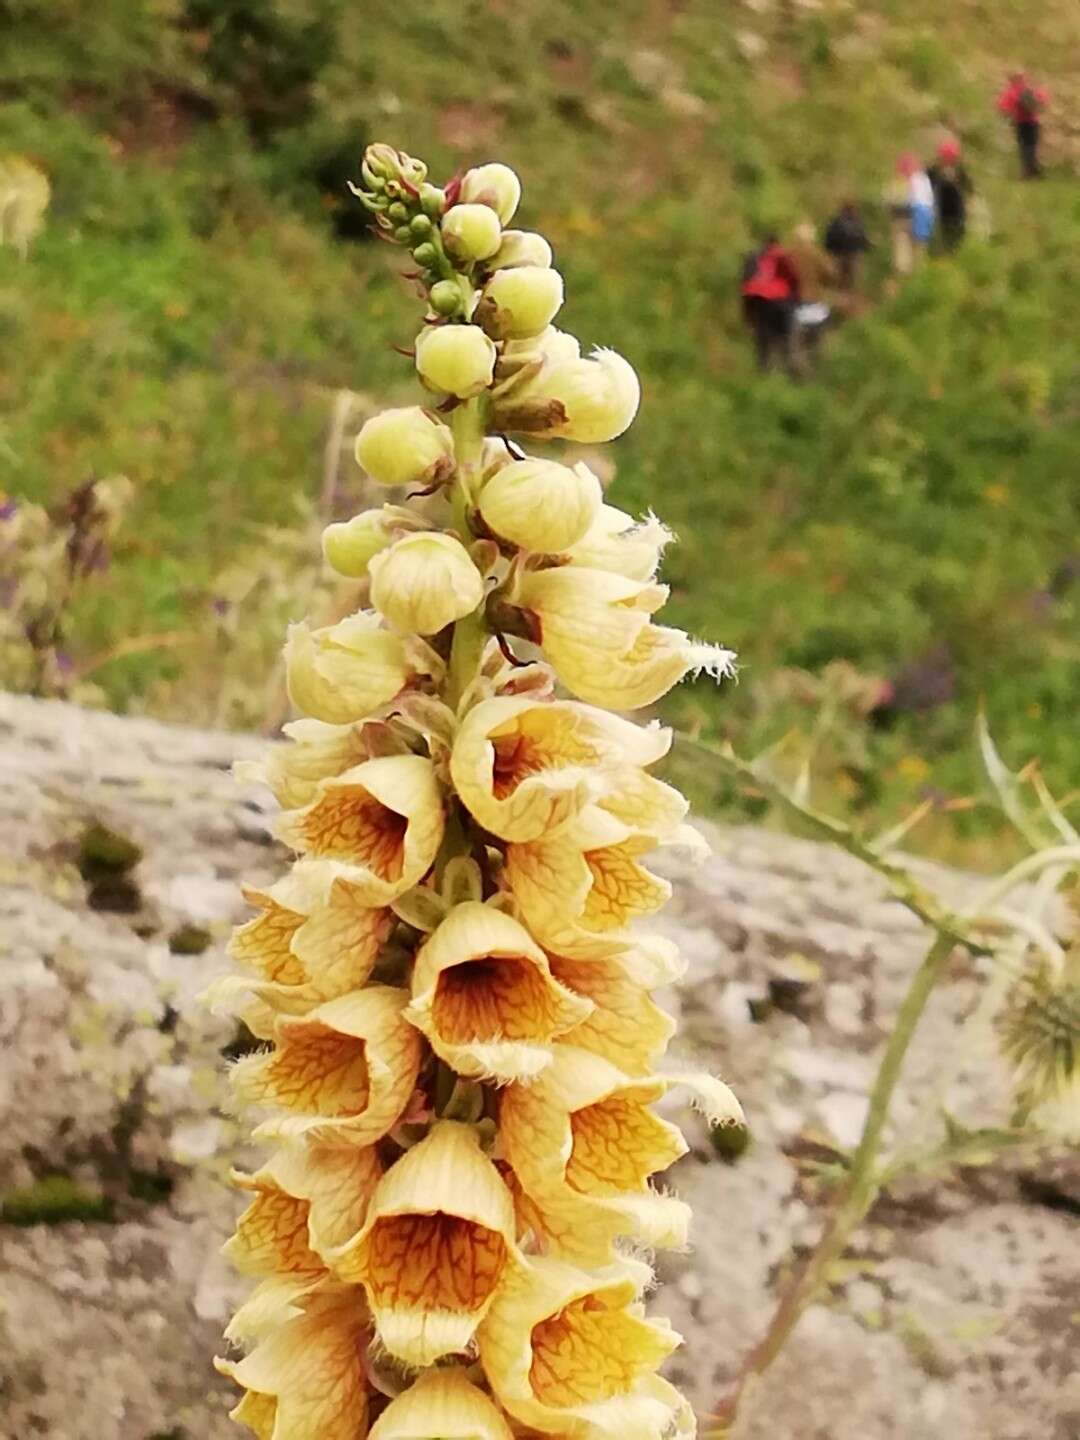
(312, 751)
(524, 768)
(437, 1245)
(307, 1379)
(442, 1402)
(583, 1145)
(342, 1074)
(382, 822)
(316, 939)
(484, 995)
(570, 1353)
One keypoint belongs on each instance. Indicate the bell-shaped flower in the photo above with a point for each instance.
(314, 751)
(456, 359)
(437, 1244)
(583, 1144)
(570, 1353)
(589, 400)
(424, 582)
(524, 767)
(442, 1402)
(541, 505)
(495, 185)
(625, 1025)
(343, 672)
(520, 247)
(380, 822)
(484, 995)
(342, 1074)
(350, 545)
(617, 542)
(306, 1200)
(519, 302)
(307, 1380)
(407, 446)
(314, 940)
(579, 890)
(471, 232)
(595, 630)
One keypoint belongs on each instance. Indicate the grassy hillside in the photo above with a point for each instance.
(196, 300)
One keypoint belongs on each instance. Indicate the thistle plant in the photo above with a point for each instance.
(450, 1232)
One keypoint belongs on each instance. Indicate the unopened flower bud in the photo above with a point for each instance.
(495, 185)
(424, 582)
(425, 254)
(541, 505)
(446, 297)
(403, 235)
(589, 400)
(405, 447)
(398, 213)
(471, 232)
(520, 247)
(457, 359)
(519, 303)
(349, 545)
(433, 200)
(420, 225)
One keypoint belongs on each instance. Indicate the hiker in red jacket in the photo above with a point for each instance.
(1023, 103)
(770, 293)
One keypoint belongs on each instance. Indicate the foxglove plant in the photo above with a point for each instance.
(460, 1036)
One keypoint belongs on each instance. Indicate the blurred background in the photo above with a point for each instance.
(202, 321)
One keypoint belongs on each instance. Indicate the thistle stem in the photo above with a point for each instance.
(863, 1183)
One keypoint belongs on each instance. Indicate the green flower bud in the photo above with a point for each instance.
(520, 247)
(403, 235)
(456, 359)
(398, 212)
(471, 232)
(494, 185)
(520, 303)
(420, 225)
(433, 200)
(349, 545)
(405, 447)
(426, 254)
(446, 298)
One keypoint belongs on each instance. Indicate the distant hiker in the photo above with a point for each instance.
(1023, 103)
(952, 186)
(816, 274)
(910, 198)
(770, 291)
(846, 241)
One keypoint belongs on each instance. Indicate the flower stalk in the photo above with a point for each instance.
(458, 1014)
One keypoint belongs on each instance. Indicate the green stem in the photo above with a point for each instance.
(863, 1183)
(471, 632)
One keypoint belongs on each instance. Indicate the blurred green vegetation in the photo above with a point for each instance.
(195, 302)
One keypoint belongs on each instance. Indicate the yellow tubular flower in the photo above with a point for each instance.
(520, 247)
(617, 542)
(381, 822)
(579, 890)
(520, 302)
(523, 767)
(541, 505)
(484, 996)
(495, 185)
(315, 750)
(596, 631)
(342, 1074)
(313, 941)
(425, 582)
(307, 1200)
(471, 232)
(441, 1402)
(588, 400)
(345, 671)
(568, 1353)
(437, 1244)
(456, 359)
(625, 1026)
(307, 1379)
